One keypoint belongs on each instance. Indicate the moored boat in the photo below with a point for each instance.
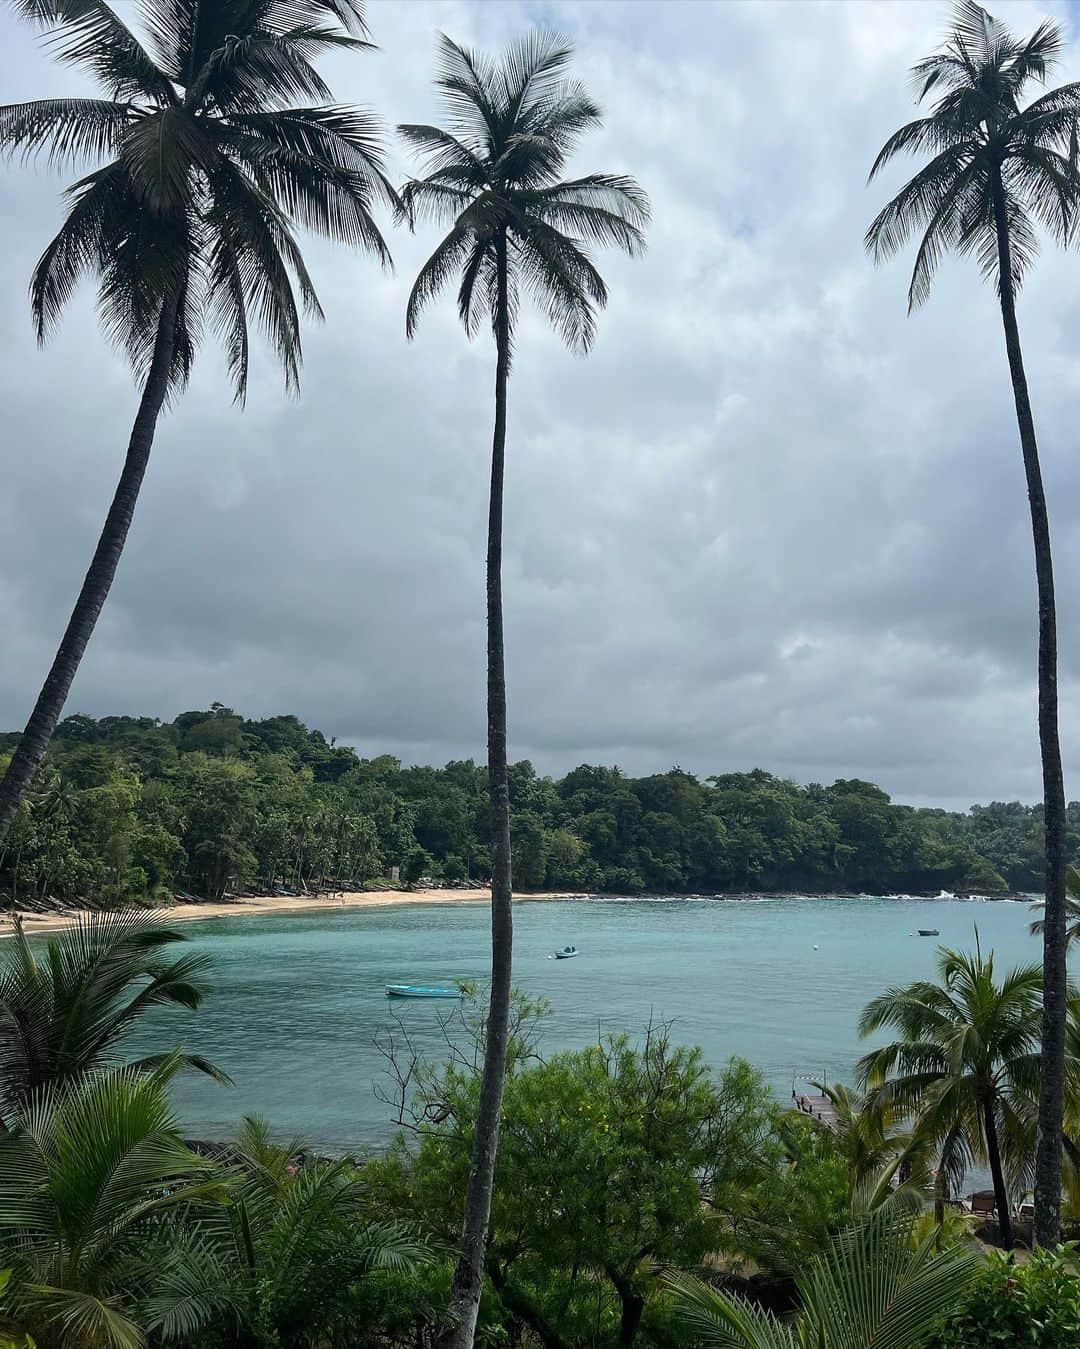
(419, 991)
(929, 932)
(567, 953)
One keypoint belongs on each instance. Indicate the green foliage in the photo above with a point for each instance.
(494, 175)
(284, 1260)
(965, 1063)
(1035, 1305)
(870, 1286)
(64, 1011)
(90, 1176)
(613, 1161)
(795, 1193)
(129, 809)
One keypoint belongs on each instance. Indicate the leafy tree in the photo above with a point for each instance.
(997, 171)
(613, 1160)
(965, 1066)
(495, 174)
(869, 1287)
(66, 1013)
(798, 1193)
(90, 1172)
(209, 163)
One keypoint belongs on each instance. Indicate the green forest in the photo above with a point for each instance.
(134, 809)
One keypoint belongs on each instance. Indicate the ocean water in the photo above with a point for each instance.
(300, 1006)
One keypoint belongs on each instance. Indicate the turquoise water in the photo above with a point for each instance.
(300, 997)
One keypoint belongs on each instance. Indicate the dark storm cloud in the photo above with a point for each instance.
(770, 520)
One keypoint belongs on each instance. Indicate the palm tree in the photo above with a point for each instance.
(280, 1263)
(89, 1173)
(188, 224)
(64, 1012)
(871, 1286)
(494, 175)
(1072, 909)
(997, 171)
(965, 1067)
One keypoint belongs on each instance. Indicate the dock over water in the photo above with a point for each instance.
(820, 1108)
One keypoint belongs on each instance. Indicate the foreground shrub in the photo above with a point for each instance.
(1029, 1306)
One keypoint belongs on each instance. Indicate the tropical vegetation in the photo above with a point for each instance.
(133, 810)
(998, 171)
(611, 1196)
(1034, 1305)
(66, 1008)
(965, 1066)
(642, 1200)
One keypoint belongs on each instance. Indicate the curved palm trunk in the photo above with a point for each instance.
(468, 1277)
(993, 1153)
(98, 581)
(1052, 1088)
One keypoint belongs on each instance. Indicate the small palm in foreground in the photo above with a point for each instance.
(188, 224)
(870, 1287)
(965, 1068)
(997, 172)
(281, 1262)
(515, 224)
(1072, 909)
(89, 1173)
(64, 1010)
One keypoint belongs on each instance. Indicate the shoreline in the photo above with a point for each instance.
(255, 905)
(186, 911)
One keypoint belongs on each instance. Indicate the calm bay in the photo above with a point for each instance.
(299, 1000)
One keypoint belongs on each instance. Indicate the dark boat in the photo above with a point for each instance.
(929, 932)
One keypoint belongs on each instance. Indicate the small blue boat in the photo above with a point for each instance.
(416, 991)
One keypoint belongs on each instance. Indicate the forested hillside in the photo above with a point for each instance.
(130, 808)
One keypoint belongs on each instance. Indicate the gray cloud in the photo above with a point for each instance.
(770, 520)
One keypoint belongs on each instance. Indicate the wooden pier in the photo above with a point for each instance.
(813, 1103)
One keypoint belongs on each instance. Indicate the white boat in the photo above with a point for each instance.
(567, 953)
(418, 991)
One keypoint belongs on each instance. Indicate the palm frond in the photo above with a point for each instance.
(434, 275)
(70, 129)
(726, 1321)
(90, 34)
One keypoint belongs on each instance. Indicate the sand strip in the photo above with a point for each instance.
(361, 899)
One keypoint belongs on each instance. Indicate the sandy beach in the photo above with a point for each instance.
(261, 904)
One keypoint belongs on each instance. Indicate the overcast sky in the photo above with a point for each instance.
(770, 521)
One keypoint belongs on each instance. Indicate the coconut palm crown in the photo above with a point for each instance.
(965, 1066)
(975, 132)
(211, 158)
(495, 173)
(209, 165)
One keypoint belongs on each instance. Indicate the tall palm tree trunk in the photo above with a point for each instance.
(993, 1153)
(468, 1277)
(1052, 1087)
(98, 580)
